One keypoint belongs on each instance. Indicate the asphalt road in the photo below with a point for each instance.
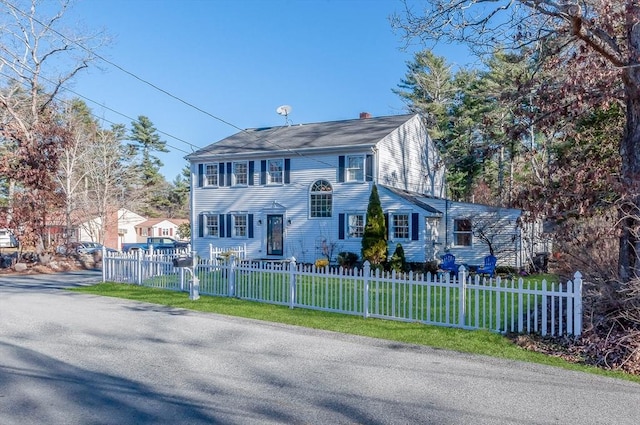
(69, 358)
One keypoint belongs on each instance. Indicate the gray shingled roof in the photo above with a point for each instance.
(414, 198)
(356, 132)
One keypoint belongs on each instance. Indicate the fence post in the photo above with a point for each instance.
(462, 296)
(231, 264)
(577, 311)
(104, 263)
(292, 282)
(139, 254)
(366, 274)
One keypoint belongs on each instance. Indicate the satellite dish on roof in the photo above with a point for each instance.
(284, 110)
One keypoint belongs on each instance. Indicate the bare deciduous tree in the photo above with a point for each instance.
(593, 49)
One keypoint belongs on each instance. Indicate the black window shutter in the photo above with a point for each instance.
(386, 225)
(250, 176)
(340, 226)
(200, 175)
(287, 170)
(229, 172)
(415, 227)
(341, 168)
(221, 225)
(228, 225)
(368, 168)
(221, 167)
(201, 225)
(250, 224)
(263, 172)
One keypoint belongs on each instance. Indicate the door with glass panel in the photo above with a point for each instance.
(275, 234)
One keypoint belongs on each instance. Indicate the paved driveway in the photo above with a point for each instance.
(68, 358)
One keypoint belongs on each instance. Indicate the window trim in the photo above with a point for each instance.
(392, 227)
(347, 169)
(457, 233)
(234, 225)
(268, 171)
(347, 230)
(234, 175)
(205, 225)
(312, 193)
(216, 167)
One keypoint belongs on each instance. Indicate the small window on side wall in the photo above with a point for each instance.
(462, 232)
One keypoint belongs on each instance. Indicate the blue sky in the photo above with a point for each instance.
(239, 60)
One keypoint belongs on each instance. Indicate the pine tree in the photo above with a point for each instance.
(146, 141)
(374, 240)
(398, 260)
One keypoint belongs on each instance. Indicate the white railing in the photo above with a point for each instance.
(217, 253)
(463, 301)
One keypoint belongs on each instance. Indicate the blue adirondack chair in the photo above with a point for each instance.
(489, 266)
(449, 263)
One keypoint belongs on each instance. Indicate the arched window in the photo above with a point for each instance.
(321, 199)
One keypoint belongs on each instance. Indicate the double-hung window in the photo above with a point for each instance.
(275, 168)
(212, 225)
(240, 173)
(211, 175)
(240, 226)
(462, 232)
(399, 224)
(355, 168)
(355, 225)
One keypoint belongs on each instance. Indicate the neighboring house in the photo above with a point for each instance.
(120, 229)
(158, 227)
(303, 191)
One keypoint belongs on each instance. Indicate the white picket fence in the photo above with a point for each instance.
(462, 300)
(217, 253)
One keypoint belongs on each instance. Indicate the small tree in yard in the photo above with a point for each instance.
(374, 239)
(398, 260)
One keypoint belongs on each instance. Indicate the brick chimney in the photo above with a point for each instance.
(364, 115)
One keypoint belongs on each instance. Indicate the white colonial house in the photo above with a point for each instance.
(303, 190)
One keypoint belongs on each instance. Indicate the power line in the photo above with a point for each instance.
(114, 111)
(93, 53)
(124, 70)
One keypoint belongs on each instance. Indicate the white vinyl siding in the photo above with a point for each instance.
(408, 160)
